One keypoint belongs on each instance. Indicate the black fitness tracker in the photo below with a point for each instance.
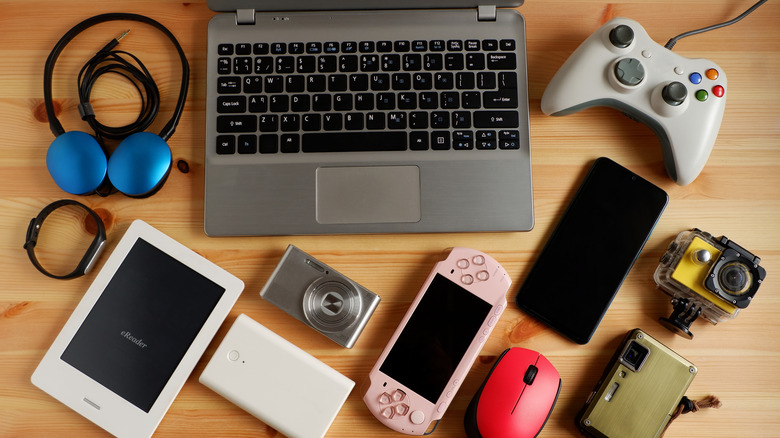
(95, 248)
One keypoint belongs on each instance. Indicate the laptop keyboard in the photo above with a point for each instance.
(367, 96)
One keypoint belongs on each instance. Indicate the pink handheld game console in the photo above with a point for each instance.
(421, 368)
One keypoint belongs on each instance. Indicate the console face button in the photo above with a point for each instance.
(417, 417)
(629, 71)
(712, 74)
(463, 263)
(718, 91)
(695, 78)
(674, 93)
(384, 398)
(621, 36)
(467, 279)
(702, 95)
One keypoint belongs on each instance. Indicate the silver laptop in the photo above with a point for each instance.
(342, 116)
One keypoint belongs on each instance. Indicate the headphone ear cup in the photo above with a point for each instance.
(139, 166)
(76, 162)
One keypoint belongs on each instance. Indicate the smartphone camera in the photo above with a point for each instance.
(320, 297)
(708, 277)
(634, 356)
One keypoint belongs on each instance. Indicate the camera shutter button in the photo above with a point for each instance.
(702, 257)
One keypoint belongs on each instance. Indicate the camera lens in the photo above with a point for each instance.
(634, 356)
(735, 278)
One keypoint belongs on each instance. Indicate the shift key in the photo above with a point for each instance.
(244, 123)
(496, 119)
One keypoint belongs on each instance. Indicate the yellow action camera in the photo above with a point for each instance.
(708, 277)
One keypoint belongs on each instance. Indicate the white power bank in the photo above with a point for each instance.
(277, 382)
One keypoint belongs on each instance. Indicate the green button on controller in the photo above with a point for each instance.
(702, 95)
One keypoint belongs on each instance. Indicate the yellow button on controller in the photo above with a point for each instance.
(712, 74)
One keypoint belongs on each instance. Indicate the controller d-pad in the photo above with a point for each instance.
(629, 71)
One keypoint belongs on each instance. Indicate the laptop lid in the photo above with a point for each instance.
(313, 5)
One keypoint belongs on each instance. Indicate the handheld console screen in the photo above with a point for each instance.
(142, 324)
(436, 338)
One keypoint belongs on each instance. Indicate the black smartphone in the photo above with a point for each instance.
(591, 250)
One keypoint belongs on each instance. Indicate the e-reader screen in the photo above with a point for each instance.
(435, 338)
(142, 325)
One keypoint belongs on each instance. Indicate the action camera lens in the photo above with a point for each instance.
(735, 278)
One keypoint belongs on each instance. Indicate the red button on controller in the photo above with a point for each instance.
(718, 91)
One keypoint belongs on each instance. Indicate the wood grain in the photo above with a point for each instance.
(738, 194)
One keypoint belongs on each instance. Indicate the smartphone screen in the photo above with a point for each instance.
(591, 250)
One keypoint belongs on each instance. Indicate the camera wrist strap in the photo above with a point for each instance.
(687, 405)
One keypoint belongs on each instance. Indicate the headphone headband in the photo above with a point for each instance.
(54, 123)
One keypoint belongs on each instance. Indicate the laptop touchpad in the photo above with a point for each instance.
(375, 194)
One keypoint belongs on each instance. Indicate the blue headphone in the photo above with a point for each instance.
(80, 163)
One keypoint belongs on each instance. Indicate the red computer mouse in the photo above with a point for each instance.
(516, 398)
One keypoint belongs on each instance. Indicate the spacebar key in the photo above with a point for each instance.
(354, 142)
(496, 119)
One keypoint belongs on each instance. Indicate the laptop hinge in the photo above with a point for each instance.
(245, 16)
(486, 13)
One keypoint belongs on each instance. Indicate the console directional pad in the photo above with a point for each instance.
(395, 401)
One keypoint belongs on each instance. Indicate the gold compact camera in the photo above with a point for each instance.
(708, 277)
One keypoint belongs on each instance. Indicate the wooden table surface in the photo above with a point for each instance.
(737, 194)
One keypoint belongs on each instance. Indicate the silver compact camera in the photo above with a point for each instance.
(319, 296)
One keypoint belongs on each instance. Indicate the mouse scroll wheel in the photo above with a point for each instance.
(530, 374)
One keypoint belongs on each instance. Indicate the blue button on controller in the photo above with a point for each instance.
(695, 78)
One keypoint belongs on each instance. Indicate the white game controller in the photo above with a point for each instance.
(680, 99)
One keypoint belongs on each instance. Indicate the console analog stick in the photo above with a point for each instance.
(674, 93)
(629, 71)
(621, 36)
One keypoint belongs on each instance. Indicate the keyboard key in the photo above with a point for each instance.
(316, 83)
(503, 98)
(418, 141)
(501, 61)
(366, 46)
(242, 65)
(314, 48)
(311, 122)
(261, 48)
(455, 45)
(327, 64)
(253, 84)
(486, 80)
(300, 103)
(295, 83)
(244, 123)
(380, 82)
(453, 61)
(364, 101)
(462, 140)
(396, 120)
(296, 48)
(306, 64)
(348, 63)
(247, 144)
(437, 46)
(274, 84)
(278, 48)
(342, 102)
(226, 144)
(353, 121)
(349, 47)
(223, 66)
(268, 144)
(385, 101)
(407, 100)
(412, 62)
(429, 100)
(401, 46)
(419, 45)
(243, 49)
(369, 63)
(375, 121)
(354, 141)
(402, 81)
(471, 99)
(440, 140)
(418, 120)
(496, 119)
(422, 81)
(231, 104)
(507, 44)
(321, 102)
(391, 62)
(258, 104)
(332, 122)
(358, 82)
(489, 45)
(475, 61)
(464, 81)
(384, 46)
(450, 100)
(290, 143)
(444, 81)
(472, 45)
(331, 47)
(440, 119)
(290, 122)
(268, 122)
(337, 83)
(279, 103)
(225, 49)
(264, 65)
(461, 120)
(433, 62)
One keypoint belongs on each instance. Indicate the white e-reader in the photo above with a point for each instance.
(137, 333)
(275, 381)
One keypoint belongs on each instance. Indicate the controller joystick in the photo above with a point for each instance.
(680, 99)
